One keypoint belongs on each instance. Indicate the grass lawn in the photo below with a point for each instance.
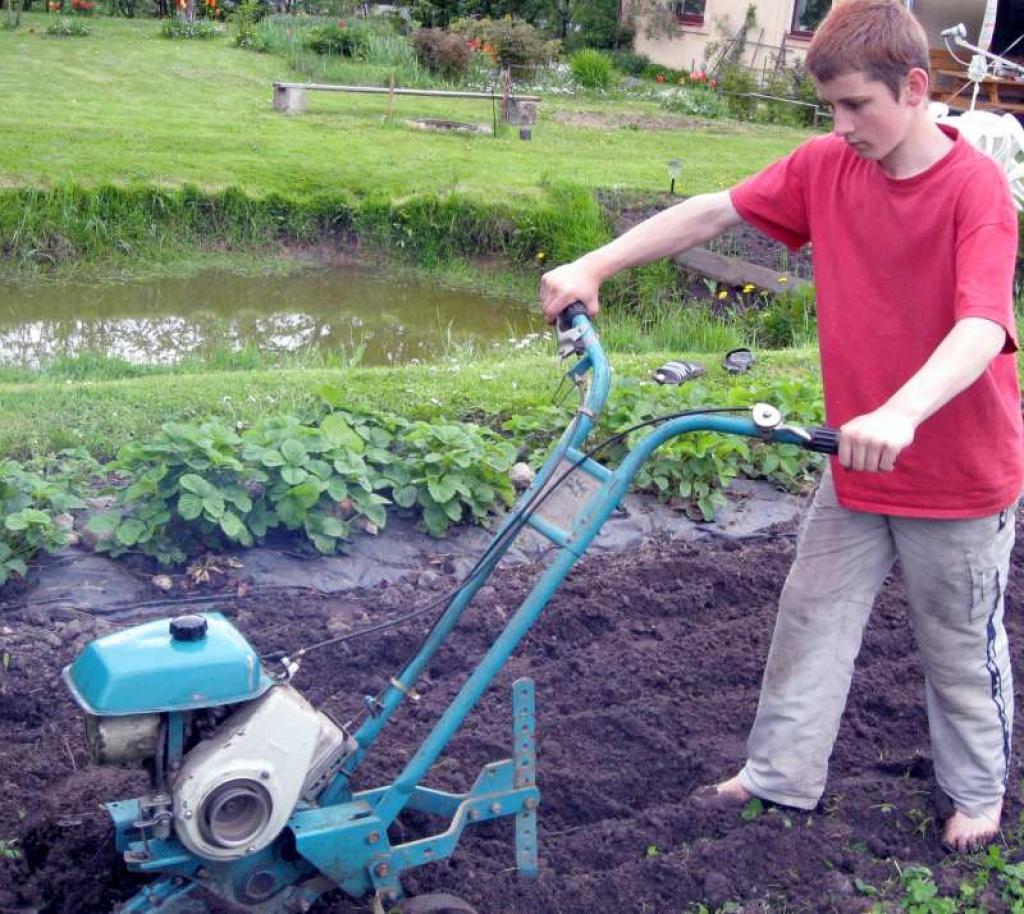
(128, 106)
(101, 415)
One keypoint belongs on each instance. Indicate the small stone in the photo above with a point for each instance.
(35, 615)
(72, 539)
(62, 612)
(162, 582)
(71, 630)
(52, 639)
(522, 475)
(63, 521)
(427, 579)
(366, 525)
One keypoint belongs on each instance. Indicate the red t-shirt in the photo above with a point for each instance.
(896, 264)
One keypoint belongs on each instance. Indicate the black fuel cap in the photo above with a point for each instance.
(188, 628)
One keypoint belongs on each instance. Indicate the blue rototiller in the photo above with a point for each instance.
(252, 795)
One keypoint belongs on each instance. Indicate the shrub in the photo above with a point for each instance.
(67, 27)
(696, 102)
(591, 69)
(442, 52)
(510, 42)
(735, 82)
(245, 17)
(631, 64)
(597, 24)
(179, 27)
(341, 38)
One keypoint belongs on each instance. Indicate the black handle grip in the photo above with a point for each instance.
(824, 440)
(565, 319)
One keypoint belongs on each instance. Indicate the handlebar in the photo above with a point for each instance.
(576, 334)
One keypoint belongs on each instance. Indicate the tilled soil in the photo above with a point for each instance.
(647, 668)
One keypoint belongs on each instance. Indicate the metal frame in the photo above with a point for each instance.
(343, 839)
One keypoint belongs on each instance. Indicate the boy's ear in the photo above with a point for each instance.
(917, 86)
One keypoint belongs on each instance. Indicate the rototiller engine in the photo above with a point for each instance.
(252, 793)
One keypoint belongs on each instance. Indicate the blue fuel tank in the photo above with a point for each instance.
(179, 664)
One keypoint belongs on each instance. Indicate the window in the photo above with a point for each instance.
(689, 12)
(807, 15)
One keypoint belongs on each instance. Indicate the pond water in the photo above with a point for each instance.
(370, 319)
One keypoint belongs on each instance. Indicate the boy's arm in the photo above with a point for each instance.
(684, 225)
(874, 440)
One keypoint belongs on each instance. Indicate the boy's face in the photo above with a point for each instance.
(867, 116)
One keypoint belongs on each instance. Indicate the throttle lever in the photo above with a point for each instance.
(570, 337)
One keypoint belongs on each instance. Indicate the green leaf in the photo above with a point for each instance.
(337, 489)
(375, 514)
(22, 520)
(440, 490)
(405, 497)
(294, 452)
(752, 810)
(190, 482)
(17, 566)
(104, 523)
(213, 506)
(272, 458)
(326, 545)
(190, 506)
(333, 526)
(129, 532)
(435, 520)
(238, 497)
(293, 475)
(337, 430)
(232, 525)
(261, 520)
(307, 493)
(453, 509)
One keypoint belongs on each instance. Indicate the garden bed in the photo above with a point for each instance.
(647, 666)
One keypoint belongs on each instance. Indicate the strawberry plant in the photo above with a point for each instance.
(28, 505)
(446, 469)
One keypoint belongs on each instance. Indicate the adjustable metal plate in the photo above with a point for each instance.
(563, 505)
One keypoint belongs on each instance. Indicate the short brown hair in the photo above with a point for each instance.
(880, 38)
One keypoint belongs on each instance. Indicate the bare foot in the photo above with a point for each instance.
(733, 789)
(965, 834)
(724, 795)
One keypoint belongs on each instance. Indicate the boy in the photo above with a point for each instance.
(915, 240)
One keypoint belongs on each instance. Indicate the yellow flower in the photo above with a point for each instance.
(723, 295)
(749, 287)
(541, 255)
(783, 279)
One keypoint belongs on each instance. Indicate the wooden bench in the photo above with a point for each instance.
(290, 98)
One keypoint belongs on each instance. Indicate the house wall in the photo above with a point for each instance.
(722, 18)
(686, 47)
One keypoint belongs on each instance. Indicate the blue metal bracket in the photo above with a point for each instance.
(161, 894)
(525, 754)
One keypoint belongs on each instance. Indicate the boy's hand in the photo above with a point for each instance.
(563, 285)
(873, 441)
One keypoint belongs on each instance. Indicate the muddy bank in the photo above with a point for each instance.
(647, 666)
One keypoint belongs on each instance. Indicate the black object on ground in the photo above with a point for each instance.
(737, 361)
(678, 372)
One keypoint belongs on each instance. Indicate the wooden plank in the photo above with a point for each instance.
(385, 90)
(734, 272)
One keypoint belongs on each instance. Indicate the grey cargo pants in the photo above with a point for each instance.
(955, 573)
